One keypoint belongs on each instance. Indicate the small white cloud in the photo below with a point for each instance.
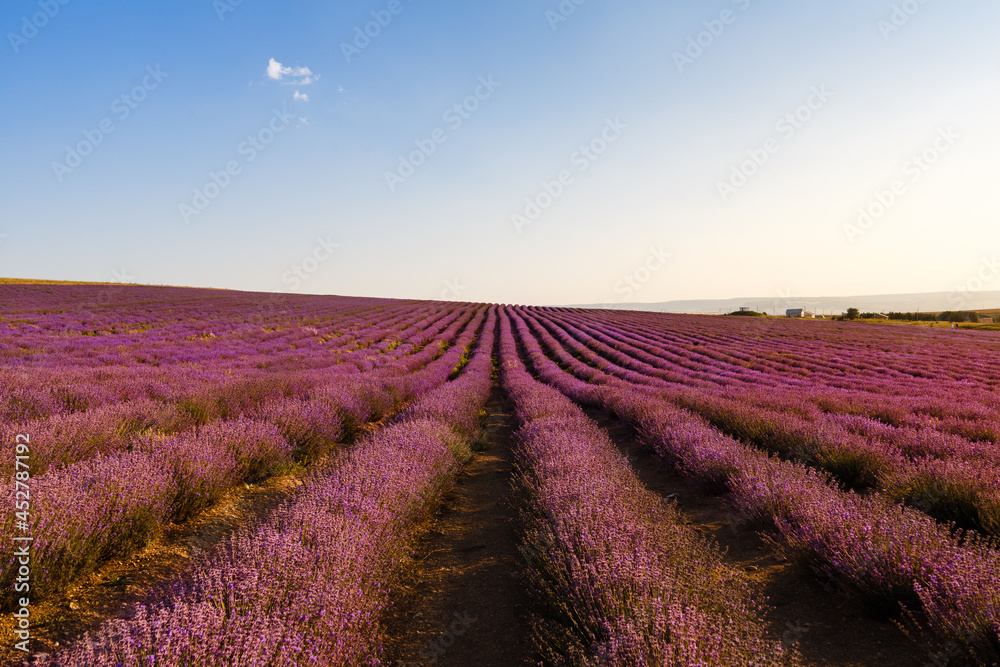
(340, 89)
(300, 96)
(301, 76)
(274, 69)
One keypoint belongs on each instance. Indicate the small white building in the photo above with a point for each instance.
(799, 312)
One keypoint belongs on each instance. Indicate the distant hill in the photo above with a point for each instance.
(31, 281)
(929, 302)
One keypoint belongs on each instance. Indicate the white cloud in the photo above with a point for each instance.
(300, 96)
(298, 75)
(274, 69)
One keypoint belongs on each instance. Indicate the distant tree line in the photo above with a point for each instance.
(946, 316)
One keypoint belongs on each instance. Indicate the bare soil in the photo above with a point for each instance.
(112, 590)
(464, 603)
(828, 628)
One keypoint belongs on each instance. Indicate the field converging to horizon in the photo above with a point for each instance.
(235, 478)
(386, 333)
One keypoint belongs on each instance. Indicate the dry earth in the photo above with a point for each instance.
(830, 629)
(114, 588)
(464, 603)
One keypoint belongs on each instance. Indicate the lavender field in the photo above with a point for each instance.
(859, 463)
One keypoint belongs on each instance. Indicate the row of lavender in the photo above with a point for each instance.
(215, 393)
(822, 358)
(625, 581)
(46, 378)
(894, 558)
(310, 583)
(822, 352)
(952, 405)
(114, 503)
(939, 456)
(951, 478)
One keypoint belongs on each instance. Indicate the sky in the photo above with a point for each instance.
(535, 152)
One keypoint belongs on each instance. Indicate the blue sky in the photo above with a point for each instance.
(640, 151)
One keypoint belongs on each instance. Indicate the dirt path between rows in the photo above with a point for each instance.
(113, 590)
(464, 604)
(115, 587)
(830, 629)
